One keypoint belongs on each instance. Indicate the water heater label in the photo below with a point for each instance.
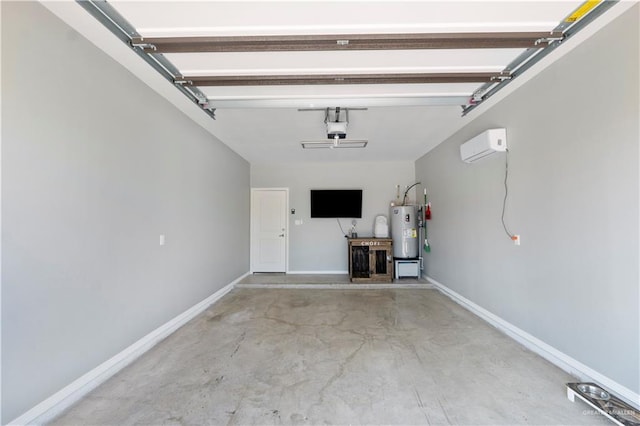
(409, 233)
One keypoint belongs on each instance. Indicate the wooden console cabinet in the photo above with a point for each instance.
(370, 260)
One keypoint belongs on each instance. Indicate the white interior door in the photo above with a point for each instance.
(269, 230)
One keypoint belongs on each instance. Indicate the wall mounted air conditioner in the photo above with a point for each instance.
(485, 144)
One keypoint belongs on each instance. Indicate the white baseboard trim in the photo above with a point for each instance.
(317, 272)
(53, 406)
(546, 351)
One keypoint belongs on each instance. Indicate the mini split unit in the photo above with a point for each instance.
(484, 145)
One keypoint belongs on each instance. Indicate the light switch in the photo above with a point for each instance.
(161, 239)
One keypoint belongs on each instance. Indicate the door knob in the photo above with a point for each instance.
(281, 235)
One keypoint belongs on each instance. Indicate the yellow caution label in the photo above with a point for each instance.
(582, 10)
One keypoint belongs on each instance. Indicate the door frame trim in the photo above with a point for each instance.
(252, 232)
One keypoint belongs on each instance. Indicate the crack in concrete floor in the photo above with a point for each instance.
(311, 356)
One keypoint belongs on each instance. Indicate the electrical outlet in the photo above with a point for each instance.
(516, 239)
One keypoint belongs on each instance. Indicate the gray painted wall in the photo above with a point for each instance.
(573, 196)
(318, 244)
(95, 166)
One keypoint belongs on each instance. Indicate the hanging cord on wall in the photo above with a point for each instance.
(342, 230)
(506, 193)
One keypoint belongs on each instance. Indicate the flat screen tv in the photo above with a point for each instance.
(336, 203)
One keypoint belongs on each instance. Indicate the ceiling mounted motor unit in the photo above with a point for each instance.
(336, 129)
(485, 144)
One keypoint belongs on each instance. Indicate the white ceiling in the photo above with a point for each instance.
(395, 132)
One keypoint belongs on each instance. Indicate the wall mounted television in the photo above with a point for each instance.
(336, 203)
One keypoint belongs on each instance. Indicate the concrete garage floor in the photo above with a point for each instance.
(332, 356)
